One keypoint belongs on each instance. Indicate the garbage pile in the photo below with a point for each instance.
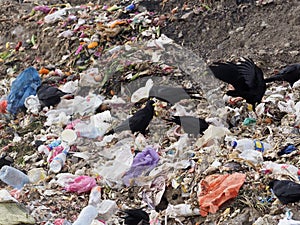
(71, 152)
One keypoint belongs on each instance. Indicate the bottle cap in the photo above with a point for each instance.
(69, 136)
(234, 144)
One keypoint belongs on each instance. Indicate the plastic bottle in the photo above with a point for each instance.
(54, 144)
(106, 209)
(95, 196)
(86, 216)
(58, 162)
(246, 144)
(36, 174)
(181, 210)
(13, 177)
(44, 149)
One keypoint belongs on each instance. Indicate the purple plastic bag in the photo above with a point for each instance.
(43, 8)
(142, 164)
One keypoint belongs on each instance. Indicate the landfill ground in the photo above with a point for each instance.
(205, 31)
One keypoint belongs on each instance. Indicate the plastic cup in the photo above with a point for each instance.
(69, 136)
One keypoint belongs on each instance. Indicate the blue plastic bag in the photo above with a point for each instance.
(23, 86)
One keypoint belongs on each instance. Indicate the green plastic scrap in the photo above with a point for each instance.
(249, 121)
(6, 54)
(206, 7)
(33, 42)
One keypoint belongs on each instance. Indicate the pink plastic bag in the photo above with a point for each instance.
(81, 184)
(60, 222)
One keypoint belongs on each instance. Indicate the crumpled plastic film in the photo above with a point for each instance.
(81, 184)
(142, 164)
(217, 189)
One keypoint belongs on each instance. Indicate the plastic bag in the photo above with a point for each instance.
(119, 160)
(3, 106)
(142, 164)
(217, 189)
(22, 87)
(287, 220)
(281, 171)
(81, 184)
(32, 104)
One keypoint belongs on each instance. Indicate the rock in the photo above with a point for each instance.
(13, 213)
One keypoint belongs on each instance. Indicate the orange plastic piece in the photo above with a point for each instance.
(43, 71)
(3, 106)
(217, 189)
(93, 44)
(117, 22)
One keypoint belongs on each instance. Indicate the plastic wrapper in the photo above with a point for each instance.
(217, 189)
(287, 220)
(119, 160)
(56, 16)
(81, 184)
(32, 104)
(281, 171)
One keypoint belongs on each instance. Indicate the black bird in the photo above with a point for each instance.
(49, 95)
(5, 161)
(136, 217)
(190, 124)
(290, 73)
(286, 191)
(138, 122)
(169, 94)
(246, 78)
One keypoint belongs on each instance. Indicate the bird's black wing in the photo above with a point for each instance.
(193, 125)
(229, 73)
(169, 94)
(247, 70)
(190, 124)
(46, 92)
(134, 216)
(140, 121)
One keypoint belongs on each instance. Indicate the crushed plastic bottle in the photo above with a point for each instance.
(106, 209)
(86, 216)
(95, 196)
(58, 162)
(181, 210)
(246, 144)
(36, 174)
(54, 144)
(13, 177)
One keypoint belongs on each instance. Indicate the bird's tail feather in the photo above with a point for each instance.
(173, 119)
(109, 132)
(276, 77)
